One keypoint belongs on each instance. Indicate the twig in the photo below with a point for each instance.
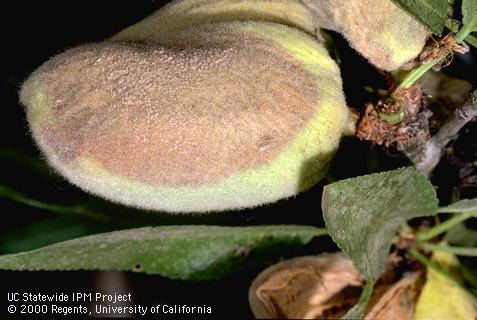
(432, 150)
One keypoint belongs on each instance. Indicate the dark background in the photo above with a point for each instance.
(31, 33)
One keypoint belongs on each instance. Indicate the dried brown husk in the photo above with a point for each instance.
(306, 288)
(327, 286)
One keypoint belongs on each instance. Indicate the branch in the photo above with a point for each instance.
(427, 159)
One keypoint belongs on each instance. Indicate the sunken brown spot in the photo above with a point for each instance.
(191, 115)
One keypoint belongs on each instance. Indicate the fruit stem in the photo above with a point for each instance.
(416, 74)
(463, 33)
(351, 123)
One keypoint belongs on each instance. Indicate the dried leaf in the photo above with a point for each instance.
(327, 286)
(399, 121)
(397, 302)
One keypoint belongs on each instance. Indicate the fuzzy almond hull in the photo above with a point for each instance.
(250, 127)
(378, 29)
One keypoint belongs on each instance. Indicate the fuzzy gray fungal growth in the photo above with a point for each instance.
(202, 114)
(378, 29)
(223, 117)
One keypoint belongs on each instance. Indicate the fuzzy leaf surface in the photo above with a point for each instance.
(363, 214)
(431, 13)
(461, 236)
(469, 14)
(464, 205)
(178, 252)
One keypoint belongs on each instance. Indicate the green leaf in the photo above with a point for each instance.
(11, 194)
(46, 232)
(178, 252)
(472, 40)
(460, 235)
(363, 214)
(469, 21)
(431, 13)
(469, 14)
(465, 205)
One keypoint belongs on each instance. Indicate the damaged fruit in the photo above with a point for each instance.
(382, 32)
(198, 108)
(224, 116)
